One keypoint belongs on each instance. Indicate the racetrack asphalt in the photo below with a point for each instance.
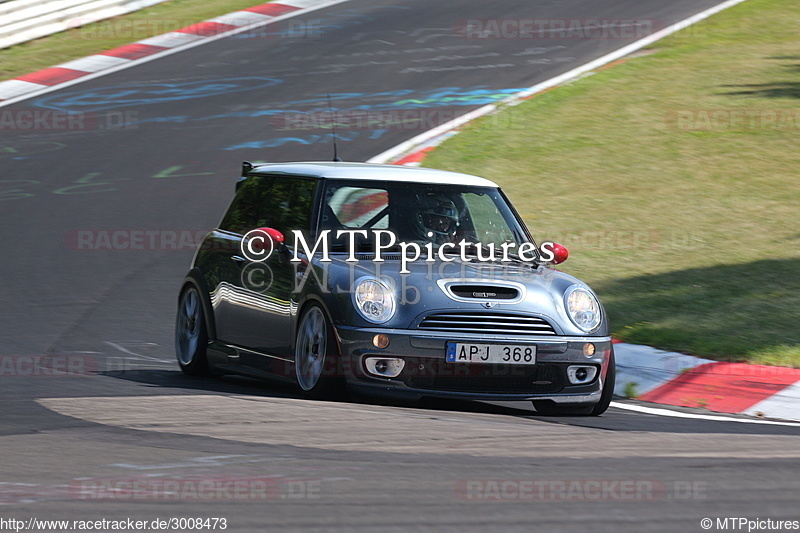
(183, 125)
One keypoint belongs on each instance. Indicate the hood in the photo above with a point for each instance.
(514, 287)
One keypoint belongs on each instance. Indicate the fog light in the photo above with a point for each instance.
(581, 374)
(588, 349)
(384, 367)
(380, 340)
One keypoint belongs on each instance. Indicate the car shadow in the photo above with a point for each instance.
(613, 420)
(709, 311)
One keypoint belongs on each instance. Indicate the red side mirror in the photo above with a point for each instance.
(275, 235)
(557, 252)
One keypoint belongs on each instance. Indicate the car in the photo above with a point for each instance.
(409, 282)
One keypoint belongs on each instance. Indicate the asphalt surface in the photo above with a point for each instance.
(173, 134)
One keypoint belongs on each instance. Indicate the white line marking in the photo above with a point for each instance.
(679, 414)
(94, 63)
(406, 146)
(127, 351)
(240, 18)
(172, 39)
(13, 88)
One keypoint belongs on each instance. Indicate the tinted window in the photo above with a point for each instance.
(290, 205)
(265, 201)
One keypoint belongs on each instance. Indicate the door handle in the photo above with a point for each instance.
(238, 258)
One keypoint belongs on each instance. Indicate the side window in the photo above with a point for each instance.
(246, 210)
(355, 207)
(277, 202)
(290, 204)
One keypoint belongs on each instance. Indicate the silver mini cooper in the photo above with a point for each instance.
(391, 280)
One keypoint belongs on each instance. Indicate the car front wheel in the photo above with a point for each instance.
(316, 356)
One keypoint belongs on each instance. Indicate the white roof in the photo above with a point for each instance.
(369, 171)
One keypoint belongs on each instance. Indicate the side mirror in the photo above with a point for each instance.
(274, 234)
(557, 252)
(257, 240)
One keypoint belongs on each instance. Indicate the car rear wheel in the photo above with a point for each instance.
(548, 407)
(316, 356)
(191, 335)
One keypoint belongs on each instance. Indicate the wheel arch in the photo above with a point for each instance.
(312, 299)
(195, 279)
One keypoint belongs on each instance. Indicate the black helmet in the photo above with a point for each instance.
(436, 217)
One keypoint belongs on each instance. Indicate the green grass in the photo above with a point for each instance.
(104, 35)
(690, 235)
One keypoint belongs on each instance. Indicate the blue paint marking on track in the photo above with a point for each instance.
(324, 138)
(387, 101)
(149, 93)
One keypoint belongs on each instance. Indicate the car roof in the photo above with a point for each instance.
(369, 171)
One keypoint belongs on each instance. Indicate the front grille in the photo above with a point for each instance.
(489, 323)
(484, 292)
(499, 379)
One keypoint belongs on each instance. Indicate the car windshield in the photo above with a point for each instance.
(419, 213)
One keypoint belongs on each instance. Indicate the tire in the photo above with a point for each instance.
(191, 334)
(608, 387)
(316, 357)
(549, 407)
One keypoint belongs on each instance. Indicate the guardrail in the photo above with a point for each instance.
(25, 20)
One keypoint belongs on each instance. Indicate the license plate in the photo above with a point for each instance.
(502, 354)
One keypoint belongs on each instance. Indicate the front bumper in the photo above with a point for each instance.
(426, 373)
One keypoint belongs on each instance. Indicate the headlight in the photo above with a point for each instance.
(583, 308)
(374, 300)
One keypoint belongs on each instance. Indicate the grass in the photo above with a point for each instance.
(107, 34)
(686, 228)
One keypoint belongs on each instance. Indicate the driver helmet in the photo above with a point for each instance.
(436, 218)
